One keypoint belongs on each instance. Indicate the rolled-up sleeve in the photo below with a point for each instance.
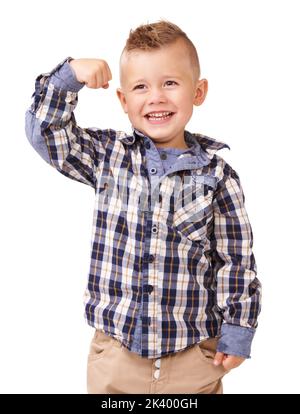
(238, 294)
(52, 130)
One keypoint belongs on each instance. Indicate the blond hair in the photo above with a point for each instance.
(156, 35)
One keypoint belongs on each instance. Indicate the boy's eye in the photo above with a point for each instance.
(167, 82)
(138, 86)
(171, 81)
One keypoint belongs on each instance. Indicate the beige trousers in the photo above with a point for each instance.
(112, 369)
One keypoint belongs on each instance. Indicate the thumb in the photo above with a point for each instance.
(218, 358)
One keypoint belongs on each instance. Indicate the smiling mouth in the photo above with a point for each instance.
(159, 117)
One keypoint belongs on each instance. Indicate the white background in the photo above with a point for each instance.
(249, 52)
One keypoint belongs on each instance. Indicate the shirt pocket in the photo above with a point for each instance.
(193, 209)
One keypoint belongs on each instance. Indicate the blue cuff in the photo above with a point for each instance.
(236, 340)
(65, 78)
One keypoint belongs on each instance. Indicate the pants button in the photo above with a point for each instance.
(156, 374)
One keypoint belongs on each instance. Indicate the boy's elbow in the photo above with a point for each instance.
(34, 136)
(29, 121)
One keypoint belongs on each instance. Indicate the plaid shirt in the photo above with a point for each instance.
(180, 243)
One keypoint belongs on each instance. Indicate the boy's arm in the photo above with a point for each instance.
(238, 289)
(62, 77)
(52, 130)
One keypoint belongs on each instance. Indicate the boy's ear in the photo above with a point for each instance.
(122, 99)
(201, 92)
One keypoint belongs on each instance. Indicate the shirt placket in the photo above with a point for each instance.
(149, 312)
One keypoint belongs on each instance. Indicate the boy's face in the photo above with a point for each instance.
(160, 80)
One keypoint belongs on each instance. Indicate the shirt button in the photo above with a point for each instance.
(146, 320)
(163, 156)
(151, 258)
(153, 170)
(148, 288)
(157, 363)
(154, 229)
(156, 374)
(147, 145)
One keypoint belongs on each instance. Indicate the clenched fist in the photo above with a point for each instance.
(95, 73)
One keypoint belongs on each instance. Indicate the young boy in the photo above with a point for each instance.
(172, 289)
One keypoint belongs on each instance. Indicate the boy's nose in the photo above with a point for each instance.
(157, 96)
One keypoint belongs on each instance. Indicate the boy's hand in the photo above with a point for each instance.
(95, 73)
(228, 361)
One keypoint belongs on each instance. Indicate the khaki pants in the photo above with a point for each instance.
(112, 369)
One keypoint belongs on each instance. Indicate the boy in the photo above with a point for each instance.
(172, 290)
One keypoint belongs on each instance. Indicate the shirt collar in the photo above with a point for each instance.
(197, 143)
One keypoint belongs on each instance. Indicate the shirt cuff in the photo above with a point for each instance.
(236, 340)
(64, 77)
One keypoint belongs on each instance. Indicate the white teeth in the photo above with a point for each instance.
(159, 114)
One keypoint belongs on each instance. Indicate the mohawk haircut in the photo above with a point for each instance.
(156, 35)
